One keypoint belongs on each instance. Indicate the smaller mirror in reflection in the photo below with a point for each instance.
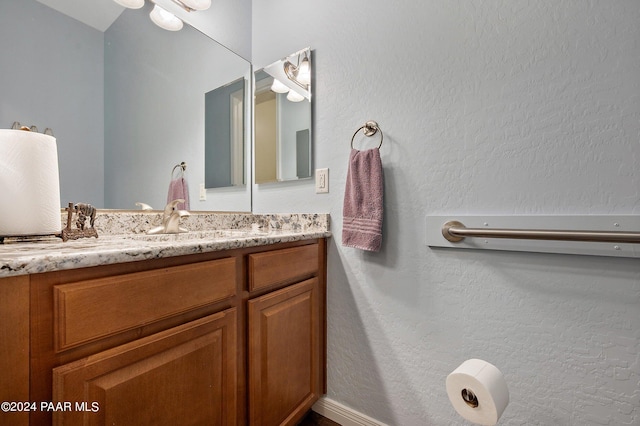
(224, 135)
(283, 119)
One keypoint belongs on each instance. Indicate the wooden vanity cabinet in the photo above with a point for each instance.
(233, 337)
(286, 330)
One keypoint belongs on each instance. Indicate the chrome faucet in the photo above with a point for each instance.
(171, 219)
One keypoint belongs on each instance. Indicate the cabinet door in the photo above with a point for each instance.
(284, 354)
(186, 375)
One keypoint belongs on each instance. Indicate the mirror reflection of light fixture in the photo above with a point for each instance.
(279, 86)
(164, 19)
(196, 4)
(292, 75)
(130, 4)
(294, 96)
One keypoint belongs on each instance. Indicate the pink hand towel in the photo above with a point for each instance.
(362, 209)
(178, 189)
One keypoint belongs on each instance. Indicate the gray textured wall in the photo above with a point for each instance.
(503, 107)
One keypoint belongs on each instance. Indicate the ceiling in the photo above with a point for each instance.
(98, 14)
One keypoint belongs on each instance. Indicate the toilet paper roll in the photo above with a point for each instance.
(29, 184)
(478, 392)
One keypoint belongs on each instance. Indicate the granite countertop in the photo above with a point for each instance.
(208, 232)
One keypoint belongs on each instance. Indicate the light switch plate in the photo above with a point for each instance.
(203, 192)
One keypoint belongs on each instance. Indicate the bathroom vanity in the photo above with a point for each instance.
(230, 332)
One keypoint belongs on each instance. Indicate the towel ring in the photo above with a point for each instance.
(182, 166)
(370, 129)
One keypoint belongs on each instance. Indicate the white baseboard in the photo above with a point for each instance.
(342, 414)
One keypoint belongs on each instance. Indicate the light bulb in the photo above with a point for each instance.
(279, 86)
(131, 4)
(304, 72)
(198, 4)
(164, 19)
(294, 96)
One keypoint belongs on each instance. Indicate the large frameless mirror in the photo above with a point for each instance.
(282, 120)
(128, 102)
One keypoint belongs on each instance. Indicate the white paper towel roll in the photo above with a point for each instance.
(483, 380)
(29, 183)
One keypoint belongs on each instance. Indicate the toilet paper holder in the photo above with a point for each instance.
(469, 397)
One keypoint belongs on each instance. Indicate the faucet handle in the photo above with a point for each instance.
(173, 207)
(174, 203)
(144, 206)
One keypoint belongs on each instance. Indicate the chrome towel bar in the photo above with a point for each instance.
(455, 231)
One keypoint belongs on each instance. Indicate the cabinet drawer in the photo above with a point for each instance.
(281, 266)
(89, 310)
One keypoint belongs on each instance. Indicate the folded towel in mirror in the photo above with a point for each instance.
(178, 189)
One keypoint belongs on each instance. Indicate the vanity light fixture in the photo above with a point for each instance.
(294, 96)
(194, 4)
(304, 71)
(300, 74)
(278, 86)
(164, 19)
(297, 70)
(130, 4)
